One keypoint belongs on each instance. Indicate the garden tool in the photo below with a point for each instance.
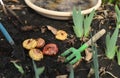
(18, 51)
(72, 55)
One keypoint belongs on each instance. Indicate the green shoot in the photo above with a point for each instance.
(111, 1)
(71, 71)
(118, 56)
(19, 67)
(38, 71)
(111, 41)
(95, 60)
(87, 23)
(78, 22)
(111, 44)
(117, 10)
(82, 24)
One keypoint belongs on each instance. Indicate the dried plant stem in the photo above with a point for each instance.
(107, 72)
(14, 14)
(3, 7)
(103, 71)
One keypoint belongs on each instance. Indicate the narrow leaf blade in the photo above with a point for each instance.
(87, 23)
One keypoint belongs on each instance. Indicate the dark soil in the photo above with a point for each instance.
(104, 18)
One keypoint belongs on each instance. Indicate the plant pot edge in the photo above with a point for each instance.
(56, 14)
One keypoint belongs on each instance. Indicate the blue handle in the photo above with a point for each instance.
(6, 34)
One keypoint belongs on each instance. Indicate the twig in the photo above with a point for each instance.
(102, 69)
(3, 7)
(111, 74)
(14, 14)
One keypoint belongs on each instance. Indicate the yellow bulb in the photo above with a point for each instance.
(36, 54)
(29, 43)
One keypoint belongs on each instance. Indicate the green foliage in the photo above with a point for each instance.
(111, 1)
(38, 71)
(117, 10)
(111, 41)
(118, 56)
(71, 71)
(87, 23)
(78, 22)
(82, 24)
(108, 1)
(19, 67)
(95, 60)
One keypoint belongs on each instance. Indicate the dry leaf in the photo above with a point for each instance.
(88, 54)
(62, 76)
(52, 29)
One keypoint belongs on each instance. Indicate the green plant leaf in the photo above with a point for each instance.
(87, 23)
(71, 71)
(107, 39)
(118, 25)
(38, 71)
(19, 67)
(78, 22)
(110, 52)
(95, 59)
(117, 10)
(110, 1)
(78, 31)
(118, 56)
(77, 17)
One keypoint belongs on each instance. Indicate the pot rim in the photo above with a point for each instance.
(58, 13)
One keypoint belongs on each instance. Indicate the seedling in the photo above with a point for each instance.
(82, 24)
(111, 41)
(19, 67)
(38, 71)
(111, 44)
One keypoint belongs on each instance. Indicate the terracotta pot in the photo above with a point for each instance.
(57, 14)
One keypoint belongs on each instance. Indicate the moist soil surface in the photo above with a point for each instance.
(104, 18)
